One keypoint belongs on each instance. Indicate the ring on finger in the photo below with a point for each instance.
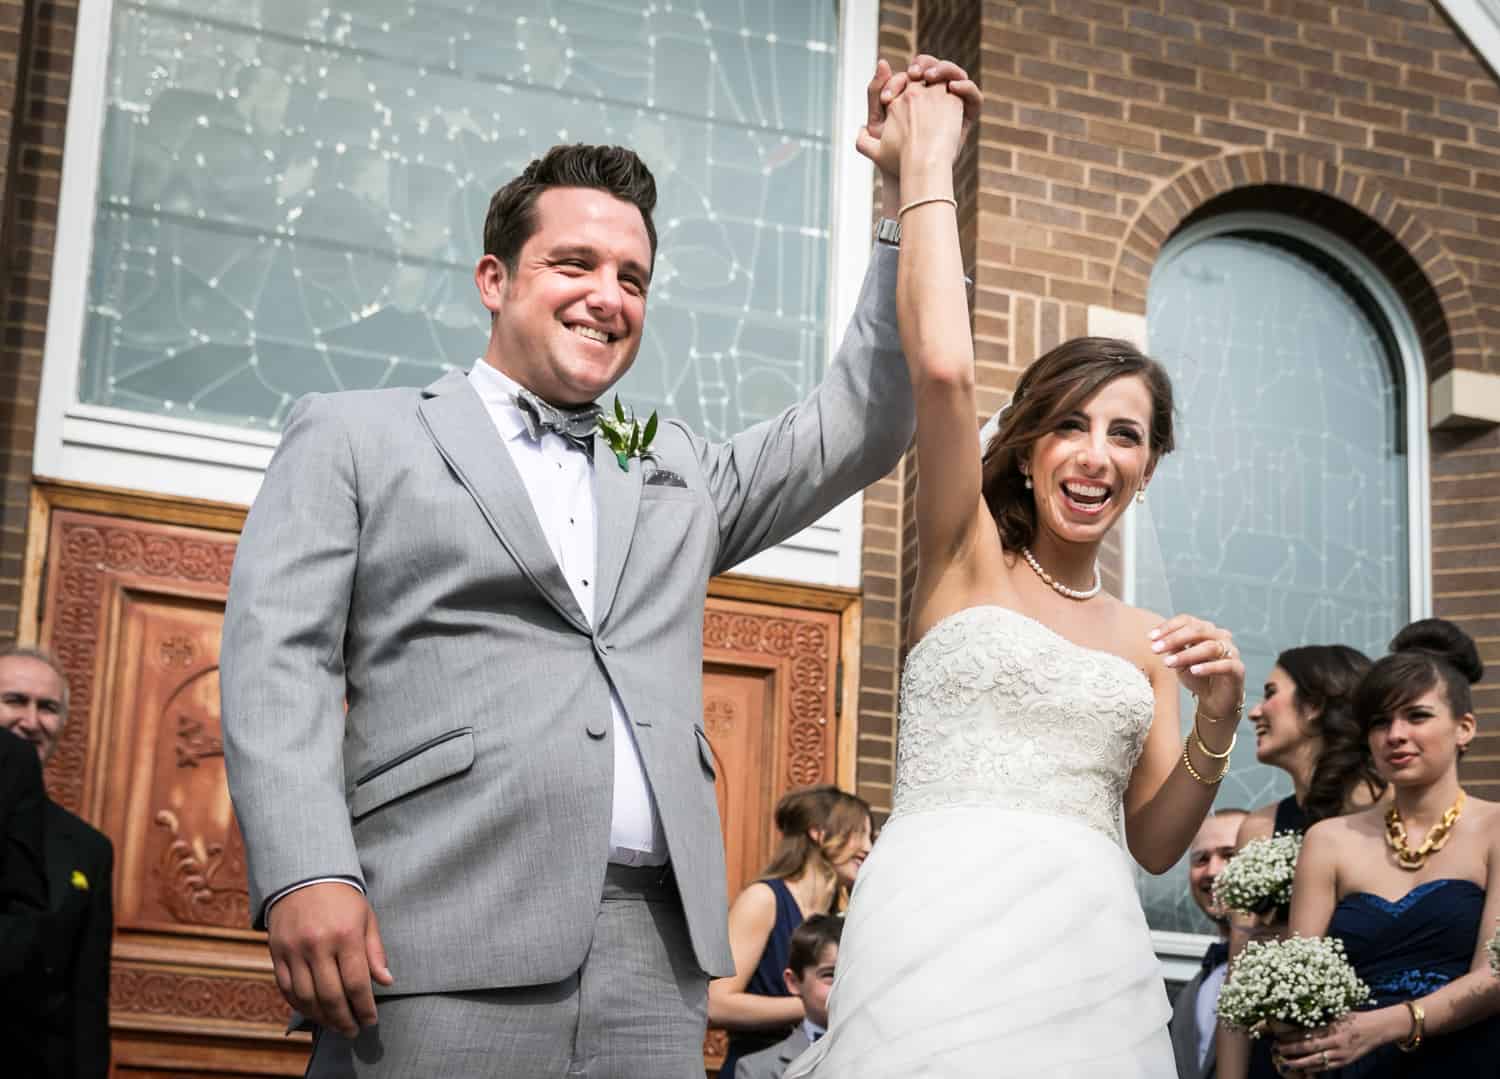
(1224, 650)
(1324, 1059)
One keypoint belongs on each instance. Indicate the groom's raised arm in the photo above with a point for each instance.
(776, 478)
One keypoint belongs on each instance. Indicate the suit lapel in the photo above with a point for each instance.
(456, 420)
(617, 494)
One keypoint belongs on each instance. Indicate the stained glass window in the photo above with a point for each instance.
(1283, 514)
(292, 193)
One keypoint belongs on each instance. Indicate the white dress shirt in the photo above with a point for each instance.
(559, 477)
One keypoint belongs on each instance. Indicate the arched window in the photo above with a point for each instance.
(1294, 511)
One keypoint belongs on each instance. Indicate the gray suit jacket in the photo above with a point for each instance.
(771, 1063)
(1184, 1030)
(392, 564)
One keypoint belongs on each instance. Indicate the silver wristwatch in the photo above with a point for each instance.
(888, 231)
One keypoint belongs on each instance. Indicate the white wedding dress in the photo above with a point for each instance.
(995, 929)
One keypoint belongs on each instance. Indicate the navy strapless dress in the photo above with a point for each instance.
(1407, 949)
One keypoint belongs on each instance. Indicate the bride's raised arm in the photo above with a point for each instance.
(926, 123)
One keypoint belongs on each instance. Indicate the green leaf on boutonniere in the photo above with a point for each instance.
(626, 436)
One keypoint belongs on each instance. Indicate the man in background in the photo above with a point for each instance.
(67, 979)
(1194, 1014)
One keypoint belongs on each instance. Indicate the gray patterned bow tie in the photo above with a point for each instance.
(577, 425)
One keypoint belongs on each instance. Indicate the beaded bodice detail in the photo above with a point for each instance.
(998, 710)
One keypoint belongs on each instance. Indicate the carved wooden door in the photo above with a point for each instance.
(133, 610)
(769, 692)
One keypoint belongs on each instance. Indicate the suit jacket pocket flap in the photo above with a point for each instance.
(446, 755)
(706, 752)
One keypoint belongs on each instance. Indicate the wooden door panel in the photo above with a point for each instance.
(182, 864)
(769, 693)
(739, 716)
(133, 612)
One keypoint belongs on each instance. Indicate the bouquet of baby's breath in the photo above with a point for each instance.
(1303, 981)
(1495, 952)
(1259, 878)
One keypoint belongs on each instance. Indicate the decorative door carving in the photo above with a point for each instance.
(133, 610)
(769, 691)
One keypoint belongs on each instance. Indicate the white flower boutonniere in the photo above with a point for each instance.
(1495, 952)
(626, 435)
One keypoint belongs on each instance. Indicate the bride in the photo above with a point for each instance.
(995, 928)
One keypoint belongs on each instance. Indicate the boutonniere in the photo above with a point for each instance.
(79, 881)
(627, 436)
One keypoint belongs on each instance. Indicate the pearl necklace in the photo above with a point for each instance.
(1057, 586)
(1395, 836)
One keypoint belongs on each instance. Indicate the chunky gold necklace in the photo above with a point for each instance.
(1395, 836)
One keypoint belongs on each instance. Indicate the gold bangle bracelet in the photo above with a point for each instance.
(914, 203)
(1199, 713)
(1188, 764)
(1418, 1018)
(1210, 754)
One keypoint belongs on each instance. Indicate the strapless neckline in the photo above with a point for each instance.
(984, 607)
(1397, 907)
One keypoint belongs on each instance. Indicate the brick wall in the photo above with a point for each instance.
(36, 58)
(1107, 125)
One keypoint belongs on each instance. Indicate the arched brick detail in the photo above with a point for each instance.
(1396, 239)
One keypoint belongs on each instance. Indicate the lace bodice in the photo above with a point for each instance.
(998, 710)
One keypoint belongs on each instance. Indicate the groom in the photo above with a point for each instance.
(462, 656)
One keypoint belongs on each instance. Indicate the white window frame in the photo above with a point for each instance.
(1180, 952)
(115, 447)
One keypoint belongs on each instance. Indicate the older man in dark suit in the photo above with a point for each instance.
(1193, 1013)
(66, 955)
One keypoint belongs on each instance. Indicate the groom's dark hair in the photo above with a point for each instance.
(511, 219)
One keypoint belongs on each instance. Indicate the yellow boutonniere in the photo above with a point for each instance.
(80, 881)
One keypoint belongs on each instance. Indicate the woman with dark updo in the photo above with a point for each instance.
(1305, 724)
(1413, 889)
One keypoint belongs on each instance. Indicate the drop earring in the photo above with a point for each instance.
(1140, 496)
(1028, 479)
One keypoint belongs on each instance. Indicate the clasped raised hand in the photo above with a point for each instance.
(883, 145)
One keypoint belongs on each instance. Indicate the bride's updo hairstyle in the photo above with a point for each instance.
(837, 815)
(1426, 653)
(1326, 677)
(1056, 385)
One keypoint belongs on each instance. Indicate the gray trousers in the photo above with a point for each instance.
(636, 1009)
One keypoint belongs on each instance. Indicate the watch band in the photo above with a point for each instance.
(888, 231)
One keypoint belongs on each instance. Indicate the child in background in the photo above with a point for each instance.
(809, 976)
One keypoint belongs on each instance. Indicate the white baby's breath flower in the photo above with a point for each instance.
(1304, 981)
(1259, 878)
(1495, 952)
